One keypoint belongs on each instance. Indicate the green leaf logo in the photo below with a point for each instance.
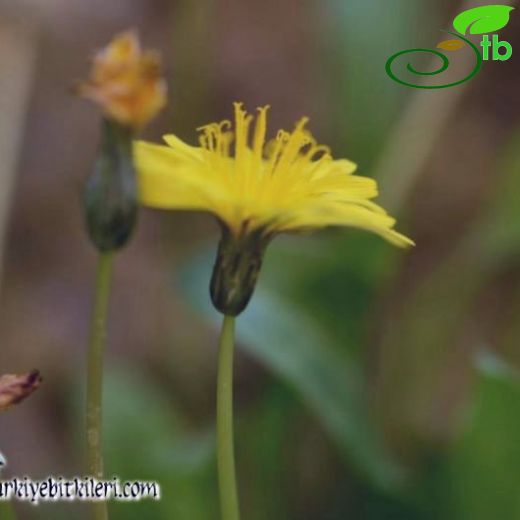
(481, 20)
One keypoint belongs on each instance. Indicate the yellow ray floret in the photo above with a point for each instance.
(287, 184)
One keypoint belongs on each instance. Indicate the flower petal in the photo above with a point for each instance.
(293, 183)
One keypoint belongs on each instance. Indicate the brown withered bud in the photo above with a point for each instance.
(16, 387)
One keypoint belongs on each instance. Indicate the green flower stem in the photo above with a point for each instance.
(7, 511)
(98, 333)
(225, 450)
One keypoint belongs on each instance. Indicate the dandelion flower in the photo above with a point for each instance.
(287, 184)
(258, 188)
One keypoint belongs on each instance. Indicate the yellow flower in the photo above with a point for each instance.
(256, 191)
(287, 184)
(126, 82)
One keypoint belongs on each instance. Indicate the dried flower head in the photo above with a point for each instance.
(16, 387)
(126, 82)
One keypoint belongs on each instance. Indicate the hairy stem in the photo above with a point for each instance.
(98, 334)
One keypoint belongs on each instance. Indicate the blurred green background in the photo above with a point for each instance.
(371, 383)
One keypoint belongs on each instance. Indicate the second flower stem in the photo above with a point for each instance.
(225, 448)
(98, 335)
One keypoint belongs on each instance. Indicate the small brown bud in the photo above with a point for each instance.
(16, 387)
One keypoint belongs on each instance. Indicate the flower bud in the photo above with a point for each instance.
(236, 270)
(15, 388)
(110, 196)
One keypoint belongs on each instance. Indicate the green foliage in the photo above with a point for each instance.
(156, 448)
(422, 339)
(476, 478)
(496, 237)
(482, 473)
(7, 511)
(265, 438)
(366, 103)
(288, 342)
